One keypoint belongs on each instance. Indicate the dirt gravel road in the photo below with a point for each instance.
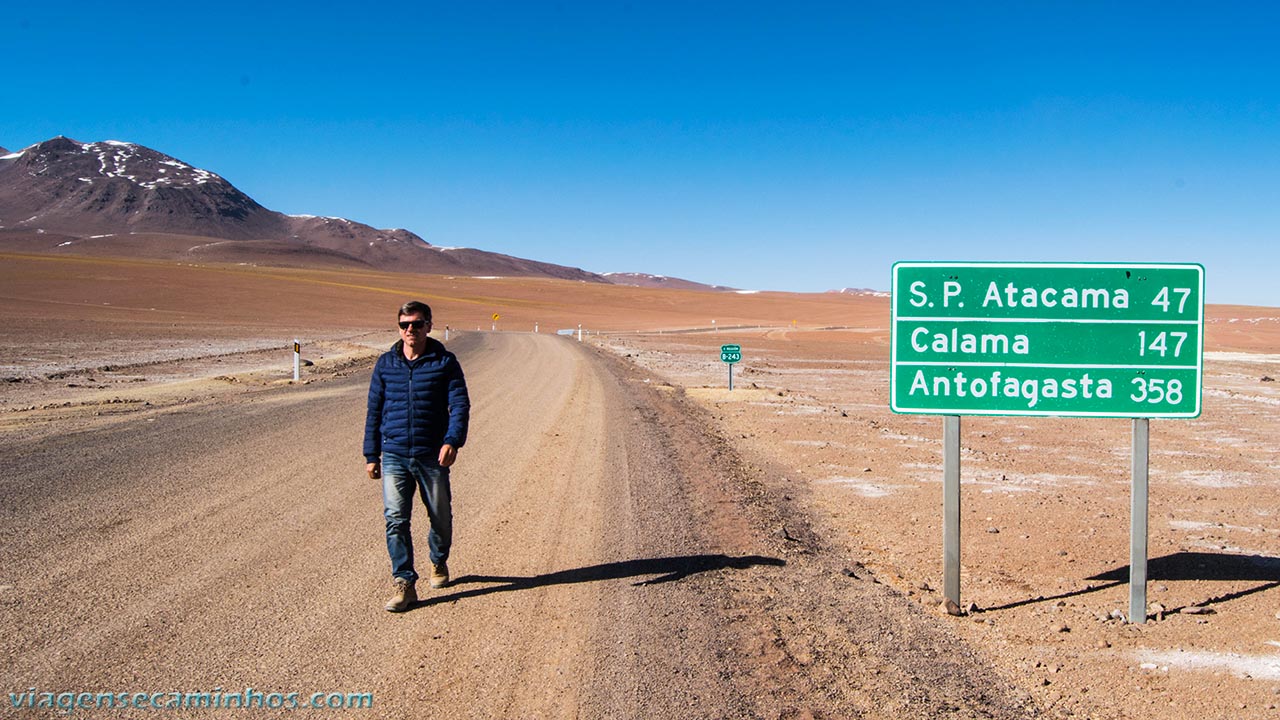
(613, 559)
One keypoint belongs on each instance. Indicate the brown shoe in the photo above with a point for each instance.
(405, 596)
(439, 575)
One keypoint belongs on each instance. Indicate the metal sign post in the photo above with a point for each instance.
(951, 508)
(730, 354)
(1138, 522)
(1048, 339)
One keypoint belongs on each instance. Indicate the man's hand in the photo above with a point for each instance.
(374, 469)
(448, 454)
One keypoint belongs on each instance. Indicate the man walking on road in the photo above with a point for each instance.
(417, 420)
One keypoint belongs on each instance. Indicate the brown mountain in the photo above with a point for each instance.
(107, 197)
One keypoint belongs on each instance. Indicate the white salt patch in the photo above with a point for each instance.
(922, 466)
(486, 277)
(747, 292)
(800, 410)
(1213, 478)
(1241, 396)
(1197, 525)
(860, 486)
(914, 439)
(1189, 525)
(1251, 321)
(1257, 667)
(69, 242)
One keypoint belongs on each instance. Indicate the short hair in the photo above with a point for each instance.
(413, 307)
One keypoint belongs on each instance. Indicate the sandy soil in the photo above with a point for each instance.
(798, 515)
(1045, 513)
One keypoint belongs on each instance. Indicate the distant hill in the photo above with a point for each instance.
(659, 281)
(860, 291)
(138, 201)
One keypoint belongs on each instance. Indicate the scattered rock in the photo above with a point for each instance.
(1196, 610)
(993, 530)
(970, 608)
(1157, 610)
(866, 469)
(1102, 644)
(849, 573)
(1060, 628)
(1117, 615)
(949, 607)
(1267, 378)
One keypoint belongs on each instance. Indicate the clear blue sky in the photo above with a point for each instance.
(783, 145)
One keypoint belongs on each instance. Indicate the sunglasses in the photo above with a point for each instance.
(415, 324)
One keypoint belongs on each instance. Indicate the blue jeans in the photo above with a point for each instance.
(400, 476)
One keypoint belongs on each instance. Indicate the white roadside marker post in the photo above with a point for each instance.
(297, 358)
(579, 332)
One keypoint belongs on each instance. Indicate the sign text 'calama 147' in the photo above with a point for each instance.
(1072, 339)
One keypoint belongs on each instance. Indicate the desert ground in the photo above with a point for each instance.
(633, 538)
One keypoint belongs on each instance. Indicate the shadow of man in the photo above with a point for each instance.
(668, 569)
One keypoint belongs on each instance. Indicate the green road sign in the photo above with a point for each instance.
(731, 353)
(1076, 339)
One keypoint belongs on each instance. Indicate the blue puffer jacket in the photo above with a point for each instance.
(415, 407)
